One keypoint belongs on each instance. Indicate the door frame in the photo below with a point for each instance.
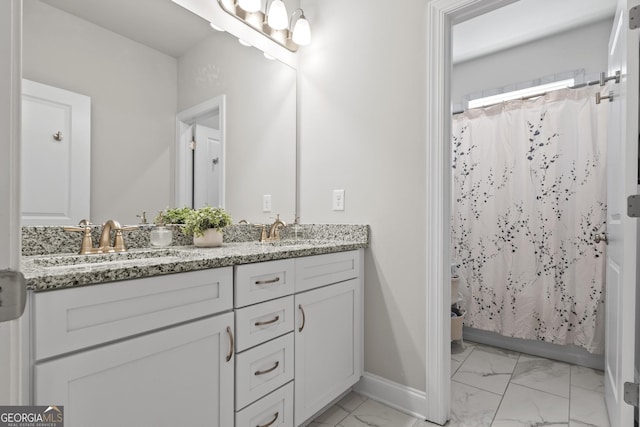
(183, 166)
(14, 367)
(441, 15)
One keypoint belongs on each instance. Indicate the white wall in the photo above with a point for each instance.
(362, 107)
(133, 96)
(260, 128)
(581, 48)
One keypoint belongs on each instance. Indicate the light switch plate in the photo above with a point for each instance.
(266, 203)
(338, 200)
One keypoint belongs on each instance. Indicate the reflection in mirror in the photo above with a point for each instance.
(143, 62)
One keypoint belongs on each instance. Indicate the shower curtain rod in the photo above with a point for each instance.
(535, 95)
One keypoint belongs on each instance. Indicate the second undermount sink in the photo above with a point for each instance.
(111, 257)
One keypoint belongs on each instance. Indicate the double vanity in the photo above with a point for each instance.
(248, 334)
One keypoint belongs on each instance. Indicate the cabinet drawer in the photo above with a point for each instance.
(263, 369)
(273, 410)
(263, 281)
(71, 319)
(262, 322)
(320, 270)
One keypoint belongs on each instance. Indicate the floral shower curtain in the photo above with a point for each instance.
(529, 195)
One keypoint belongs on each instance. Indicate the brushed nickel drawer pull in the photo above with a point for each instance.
(230, 343)
(267, 282)
(304, 318)
(271, 369)
(270, 422)
(268, 322)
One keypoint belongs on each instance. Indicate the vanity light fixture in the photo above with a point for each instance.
(300, 31)
(276, 13)
(273, 22)
(244, 43)
(250, 5)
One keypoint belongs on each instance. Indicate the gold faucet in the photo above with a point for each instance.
(104, 244)
(274, 230)
(118, 240)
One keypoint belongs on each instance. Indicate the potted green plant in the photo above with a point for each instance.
(206, 224)
(172, 216)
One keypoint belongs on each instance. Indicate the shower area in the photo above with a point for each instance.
(529, 183)
(529, 204)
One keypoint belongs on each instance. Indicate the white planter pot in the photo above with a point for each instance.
(211, 239)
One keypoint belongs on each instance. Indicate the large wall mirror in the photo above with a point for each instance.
(144, 62)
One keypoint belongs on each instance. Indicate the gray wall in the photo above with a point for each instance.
(133, 106)
(362, 104)
(581, 48)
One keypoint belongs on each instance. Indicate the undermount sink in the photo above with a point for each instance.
(297, 242)
(71, 260)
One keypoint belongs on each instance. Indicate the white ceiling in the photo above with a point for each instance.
(160, 24)
(169, 28)
(524, 21)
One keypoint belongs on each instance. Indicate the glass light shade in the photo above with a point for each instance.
(215, 27)
(277, 17)
(301, 34)
(250, 5)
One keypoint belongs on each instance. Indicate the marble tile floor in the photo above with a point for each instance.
(494, 388)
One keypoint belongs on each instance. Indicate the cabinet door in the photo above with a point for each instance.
(327, 345)
(175, 377)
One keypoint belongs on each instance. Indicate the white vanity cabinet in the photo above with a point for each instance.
(299, 336)
(328, 334)
(141, 352)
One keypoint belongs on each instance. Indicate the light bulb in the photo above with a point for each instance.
(277, 15)
(244, 43)
(250, 5)
(301, 33)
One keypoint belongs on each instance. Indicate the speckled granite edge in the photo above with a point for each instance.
(44, 240)
(45, 272)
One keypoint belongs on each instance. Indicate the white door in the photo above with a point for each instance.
(180, 376)
(622, 169)
(56, 155)
(207, 167)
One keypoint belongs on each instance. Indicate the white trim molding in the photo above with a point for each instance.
(397, 396)
(13, 382)
(440, 17)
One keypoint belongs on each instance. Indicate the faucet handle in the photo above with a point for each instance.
(118, 240)
(87, 242)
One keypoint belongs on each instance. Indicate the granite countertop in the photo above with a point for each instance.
(66, 270)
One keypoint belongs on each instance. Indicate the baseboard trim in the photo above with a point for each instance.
(401, 397)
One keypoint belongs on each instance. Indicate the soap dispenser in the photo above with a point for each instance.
(160, 235)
